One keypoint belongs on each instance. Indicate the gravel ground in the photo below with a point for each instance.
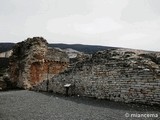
(29, 105)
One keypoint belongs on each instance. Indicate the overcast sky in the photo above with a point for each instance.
(122, 23)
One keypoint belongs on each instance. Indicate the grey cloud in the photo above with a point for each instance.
(155, 6)
(121, 23)
(138, 11)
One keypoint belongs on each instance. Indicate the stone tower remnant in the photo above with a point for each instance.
(33, 62)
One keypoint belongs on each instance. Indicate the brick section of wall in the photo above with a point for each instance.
(43, 71)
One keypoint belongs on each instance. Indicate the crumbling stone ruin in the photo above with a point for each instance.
(117, 74)
(33, 62)
(125, 75)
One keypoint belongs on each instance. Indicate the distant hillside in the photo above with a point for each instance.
(79, 47)
(82, 48)
(6, 46)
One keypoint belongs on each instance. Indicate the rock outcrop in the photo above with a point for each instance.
(6, 54)
(33, 62)
(118, 74)
(76, 56)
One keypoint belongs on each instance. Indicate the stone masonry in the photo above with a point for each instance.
(33, 62)
(118, 74)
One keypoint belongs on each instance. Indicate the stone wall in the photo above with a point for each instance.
(33, 62)
(119, 74)
(44, 71)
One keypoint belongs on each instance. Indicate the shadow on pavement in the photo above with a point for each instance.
(105, 103)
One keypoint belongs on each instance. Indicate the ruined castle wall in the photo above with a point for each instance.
(115, 75)
(32, 62)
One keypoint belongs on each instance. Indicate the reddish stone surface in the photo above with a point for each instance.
(43, 71)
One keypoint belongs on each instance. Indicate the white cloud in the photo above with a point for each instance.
(79, 25)
(98, 25)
